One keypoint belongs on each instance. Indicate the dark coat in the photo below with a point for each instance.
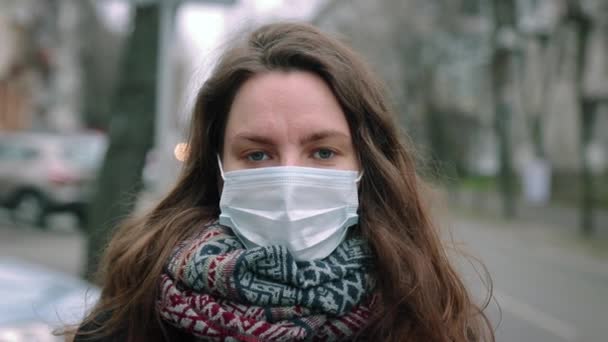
(121, 335)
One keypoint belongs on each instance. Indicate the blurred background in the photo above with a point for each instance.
(506, 102)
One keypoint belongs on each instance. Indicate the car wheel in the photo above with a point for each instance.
(30, 209)
(81, 216)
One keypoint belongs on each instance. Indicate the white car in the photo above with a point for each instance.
(34, 301)
(42, 173)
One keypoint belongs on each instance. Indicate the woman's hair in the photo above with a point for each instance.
(421, 296)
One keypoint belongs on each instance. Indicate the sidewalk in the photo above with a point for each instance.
(562, 219)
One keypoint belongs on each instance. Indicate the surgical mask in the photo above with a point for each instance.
(307, 210)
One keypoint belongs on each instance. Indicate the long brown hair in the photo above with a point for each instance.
(422, 298)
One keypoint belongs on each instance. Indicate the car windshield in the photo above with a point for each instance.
(85, 151)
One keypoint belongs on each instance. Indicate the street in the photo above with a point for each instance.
(61, 248)
(549, 287)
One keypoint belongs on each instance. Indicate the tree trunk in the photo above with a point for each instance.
(435, 125)
(587, 205)
(582, 24)
(131, 134)
(504, 18)
(538, 134)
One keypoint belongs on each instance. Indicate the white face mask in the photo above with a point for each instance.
(307, 210)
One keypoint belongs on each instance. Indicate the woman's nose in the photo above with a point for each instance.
(290, 158)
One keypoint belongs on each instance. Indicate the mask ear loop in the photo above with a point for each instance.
(219, 163)
(358, 179)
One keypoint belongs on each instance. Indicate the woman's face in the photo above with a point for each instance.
(287, 119)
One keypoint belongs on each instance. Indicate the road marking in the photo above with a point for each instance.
(536, 317)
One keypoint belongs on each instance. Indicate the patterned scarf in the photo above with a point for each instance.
(217, 290)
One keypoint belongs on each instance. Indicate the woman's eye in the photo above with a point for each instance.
(257, 156)
(324, 154)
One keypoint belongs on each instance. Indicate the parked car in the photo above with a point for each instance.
(34, 301)
(45, 173)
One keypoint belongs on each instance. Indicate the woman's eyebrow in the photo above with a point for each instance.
(310, 138)
(255, 138)
(325, 134)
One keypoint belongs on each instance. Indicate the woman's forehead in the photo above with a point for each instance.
(296, 103)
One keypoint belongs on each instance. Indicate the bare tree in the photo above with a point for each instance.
(101, 52)
(581, 22)
(504, 12)
(131, 133)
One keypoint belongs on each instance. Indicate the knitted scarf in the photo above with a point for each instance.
(217, 290)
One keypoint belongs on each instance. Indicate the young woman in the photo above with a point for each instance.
(298, 216)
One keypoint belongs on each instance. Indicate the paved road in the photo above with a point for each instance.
(61, 248)
(550, 288)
